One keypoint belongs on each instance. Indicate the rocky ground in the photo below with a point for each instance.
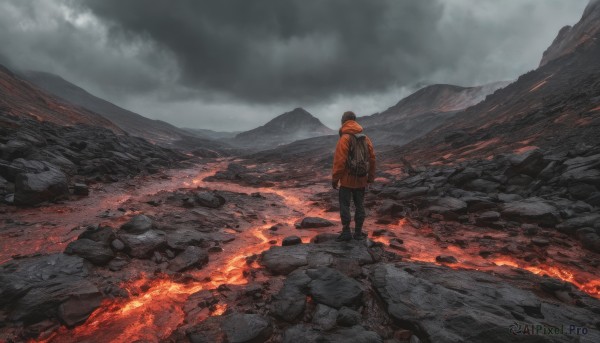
(41, 161)
(209, 256)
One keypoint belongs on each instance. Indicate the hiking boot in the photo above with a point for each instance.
(359, 235)
(344, 236)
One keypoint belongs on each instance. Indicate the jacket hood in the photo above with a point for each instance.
(351, 127)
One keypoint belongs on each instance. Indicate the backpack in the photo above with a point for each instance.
(358, 156)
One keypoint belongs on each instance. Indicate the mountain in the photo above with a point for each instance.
(439, 98)
(555, 106)
(285, 128)
(211, 134)
(570, 38)
(153, 130)
(22, 99)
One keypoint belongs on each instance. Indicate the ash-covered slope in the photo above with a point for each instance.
(437, 98)
(156, 131)
(22, 99)
(569, 38)
(556, 105)
(285, 128)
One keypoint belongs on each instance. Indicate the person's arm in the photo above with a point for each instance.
(339, 158)
(371, 177)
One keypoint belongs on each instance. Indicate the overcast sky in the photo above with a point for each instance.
(233, 65)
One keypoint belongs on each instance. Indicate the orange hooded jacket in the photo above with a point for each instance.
(340, 173)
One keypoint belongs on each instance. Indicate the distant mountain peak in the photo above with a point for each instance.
(570, 38)
(285, 128)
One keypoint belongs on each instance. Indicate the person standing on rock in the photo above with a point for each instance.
(353, 170)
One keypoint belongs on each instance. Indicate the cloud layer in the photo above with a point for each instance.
(203, 63)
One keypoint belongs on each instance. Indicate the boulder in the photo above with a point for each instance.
(289, 303)
(313, 222)
(530, 163)
(291, 240)
(348, 317)
(191, 257)
(138, 225)
(182, 238)
(334, 289)
(81, 189)
(143, 245)
(532, 210)
(209, 199)
(324, 317)
(102, 234)
(450, 208)
(570, 226)
(251, 328)
(34, 188)
(96, 252)
(50, 286)
(447, 259)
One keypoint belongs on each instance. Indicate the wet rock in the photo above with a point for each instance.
(251, 328)
(291, 240)
(138, 225)
(143, 245)
(532, 210)
(446, 259)
(191, 257)
(348, 317)
(332, 288)
(209, 199)
(98, 253)
(324, 317)
(34, 188)
(313, 222)
(81, 189)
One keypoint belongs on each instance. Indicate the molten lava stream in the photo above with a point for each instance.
(153, 311)
(421, 248)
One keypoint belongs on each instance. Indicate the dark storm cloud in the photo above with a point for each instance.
(234, 65)
(273, 50)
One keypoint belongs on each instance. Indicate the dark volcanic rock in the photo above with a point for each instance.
(143, 245)
(291, 240)
(285, 259)
(251, 328)
(444, 305)
(103, 234)
(289, 303)
(81, 189)
(35, 288)
(138, 224)
(446, 259)
(332, 288)
(532, 210)
(304, 334)
(33, 188)
(348, 317)
(96, 252)
(313, 222)
(209, 199)
(191, 257)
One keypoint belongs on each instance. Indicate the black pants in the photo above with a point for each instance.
(358, 195)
